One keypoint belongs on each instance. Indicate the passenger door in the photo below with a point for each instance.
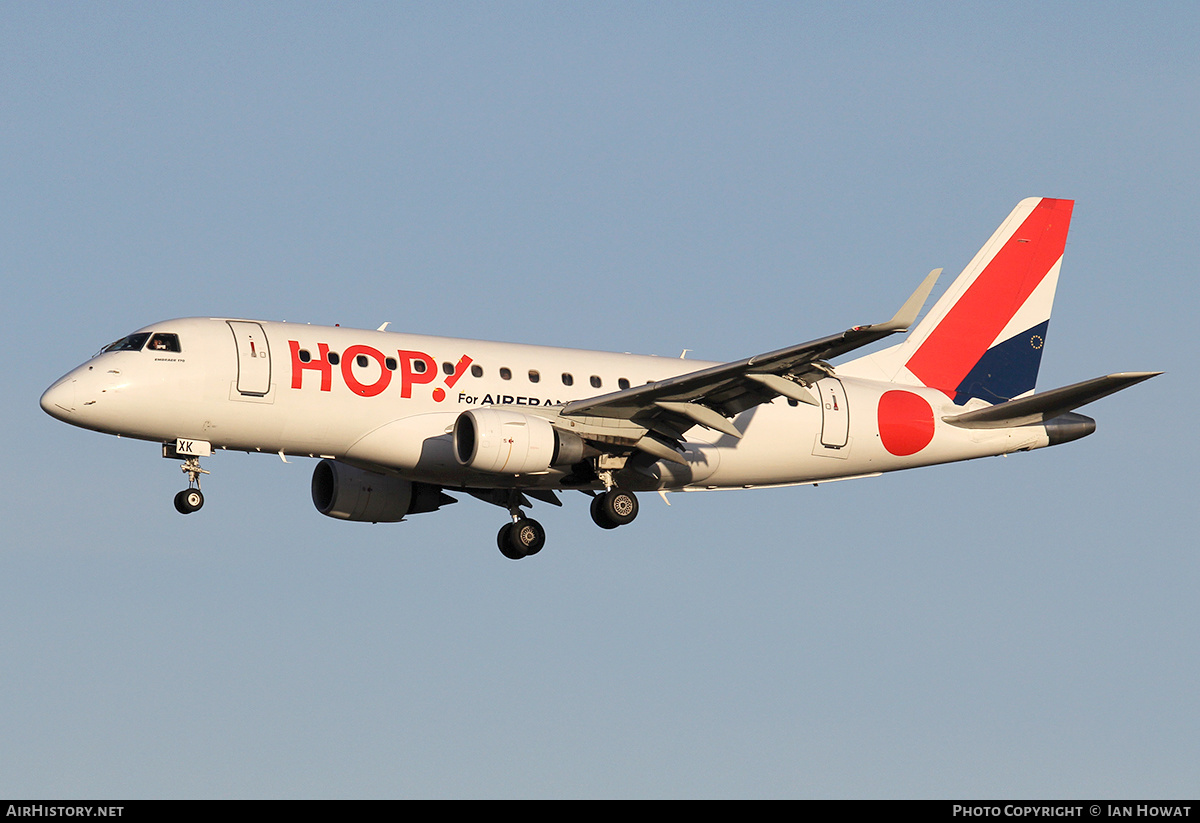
(254, 358)
(835, 413)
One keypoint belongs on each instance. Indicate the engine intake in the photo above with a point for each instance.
(500, 441)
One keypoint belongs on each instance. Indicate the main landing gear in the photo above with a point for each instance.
(525, 536)
(615, 507)
(191, 498)
(521, 538)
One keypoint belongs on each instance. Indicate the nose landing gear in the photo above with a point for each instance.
(191, 498)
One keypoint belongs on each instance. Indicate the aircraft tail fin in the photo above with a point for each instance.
(984, 336)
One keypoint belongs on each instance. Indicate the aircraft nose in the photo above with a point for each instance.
(59, 400)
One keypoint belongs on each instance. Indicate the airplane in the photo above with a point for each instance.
(399, 420)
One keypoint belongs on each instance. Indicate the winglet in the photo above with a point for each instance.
(907, 315)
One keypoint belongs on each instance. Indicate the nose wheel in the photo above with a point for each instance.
(191, 498)
(188, 501)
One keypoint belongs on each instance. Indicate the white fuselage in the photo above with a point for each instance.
(389, 400)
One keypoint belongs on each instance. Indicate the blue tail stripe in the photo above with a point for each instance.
(1006, 370)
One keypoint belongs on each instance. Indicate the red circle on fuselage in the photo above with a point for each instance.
(905, 422)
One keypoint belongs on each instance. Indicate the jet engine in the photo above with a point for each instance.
(349, 493)
(501, 441)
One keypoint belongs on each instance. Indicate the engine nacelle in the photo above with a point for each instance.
(508, 442)
(348, 493)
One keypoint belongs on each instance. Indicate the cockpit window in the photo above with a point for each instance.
(164, 341)
(133, 342)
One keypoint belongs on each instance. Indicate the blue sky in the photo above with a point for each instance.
(726, 178)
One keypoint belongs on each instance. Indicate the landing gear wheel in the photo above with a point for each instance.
(502, 542)
(521, 538)
(188, 501)
(598, 515)
(616, 507)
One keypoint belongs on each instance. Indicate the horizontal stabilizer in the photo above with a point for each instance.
(1038, 408)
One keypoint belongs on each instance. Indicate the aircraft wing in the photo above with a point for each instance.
(710, 397)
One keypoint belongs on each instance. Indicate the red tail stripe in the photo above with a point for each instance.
(972, 324)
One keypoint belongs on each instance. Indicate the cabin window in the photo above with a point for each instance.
(164, 341)
(505, 373)
(334, 358)
(418, 366)
(622, 383)
(304, 355)
(568, 379)
(448, 367)
(477, 371)
(390, 363)
(361, 360)
(534, 376)
(596, 382)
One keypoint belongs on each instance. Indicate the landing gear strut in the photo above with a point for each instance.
(191, 498)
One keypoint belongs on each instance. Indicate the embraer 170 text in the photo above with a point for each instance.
(398, 420)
